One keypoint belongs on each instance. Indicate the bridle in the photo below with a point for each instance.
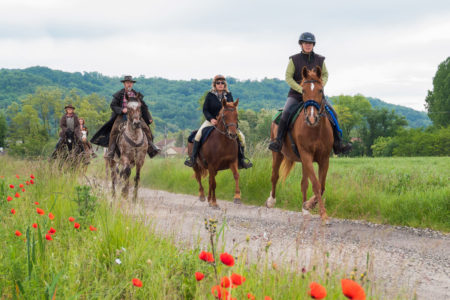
(231, 136)
(319, 107)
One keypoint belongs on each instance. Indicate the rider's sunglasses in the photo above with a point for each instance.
(220, 82)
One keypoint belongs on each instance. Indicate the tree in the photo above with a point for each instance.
(3, 129)
(438, 100)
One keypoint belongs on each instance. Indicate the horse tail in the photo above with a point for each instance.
(286, 167)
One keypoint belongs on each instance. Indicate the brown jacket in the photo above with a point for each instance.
(63, 125)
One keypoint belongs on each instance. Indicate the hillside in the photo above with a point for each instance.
(166, 98)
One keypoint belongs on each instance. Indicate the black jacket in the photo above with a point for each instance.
(213, 105)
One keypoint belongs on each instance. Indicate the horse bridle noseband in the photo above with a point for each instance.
(226, 132)
(311, 102)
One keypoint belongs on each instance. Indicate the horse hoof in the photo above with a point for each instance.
(270, 203)
(202, 198)
(214, 205)
(305, 212)
(237, 201)
(326, 222)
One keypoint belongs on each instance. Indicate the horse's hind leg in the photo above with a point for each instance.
(198, 177)
(237, 191)
(277, 158)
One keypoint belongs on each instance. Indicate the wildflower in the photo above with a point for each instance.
(76, 225)
(17, 176)
(48, 237)
(199, 276)
(137, 282)
(31, 181)
(11, 186)
(225, 282)
(52, 231)
(51, 216)
(219, 292)
(118, 261)
(37, 203)
(206, 256)
(23, 190)
(251, 296)
(17, 195)
(227, 259)
(92, 228)
(27, 182)
(34, 225)
(267, 298)
(13, 211)
(18, 233)
(32, 176)
(40, 211)
(352, 290)
(317, 291)
(9, 198)
(237, 279)
(71, 219)
(21, 185)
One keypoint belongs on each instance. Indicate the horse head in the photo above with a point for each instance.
(313, 98)
(134, 111)
(228, 117)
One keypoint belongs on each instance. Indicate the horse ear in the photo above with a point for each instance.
(224, 102)
(318, 71)
(236, 103)
(305, 72)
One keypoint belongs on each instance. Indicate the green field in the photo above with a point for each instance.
(82, 264)
(397, 190)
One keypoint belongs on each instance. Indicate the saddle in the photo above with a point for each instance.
(296, 112)
(205, 134)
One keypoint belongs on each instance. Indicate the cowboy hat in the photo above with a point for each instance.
(128, 78)
(69, 106)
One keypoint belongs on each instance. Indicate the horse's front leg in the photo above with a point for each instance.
(237, 191)
(277, 158)
(198, 177)
(212, 188)
(137, 178)
(309, 169)
(125, 175)
(112, 166)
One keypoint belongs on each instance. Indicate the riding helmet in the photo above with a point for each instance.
(307, 37)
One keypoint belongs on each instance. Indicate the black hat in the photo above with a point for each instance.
(69, 106)
(307, 37)
(128, 78)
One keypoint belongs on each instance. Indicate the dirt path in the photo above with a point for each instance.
(413, 261)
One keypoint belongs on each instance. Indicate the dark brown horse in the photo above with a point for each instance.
(132, 144)
(313, 136)
(219, 152)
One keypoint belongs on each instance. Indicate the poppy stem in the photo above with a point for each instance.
(214, 255)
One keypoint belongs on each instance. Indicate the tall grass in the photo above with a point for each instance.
(84, 264)
(397, 190)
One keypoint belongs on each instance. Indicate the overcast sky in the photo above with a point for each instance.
(386, 49)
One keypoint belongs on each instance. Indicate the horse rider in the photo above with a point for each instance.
(307, 57)
(211, 108)
(84, 135)
(107, 134)
(69, 123)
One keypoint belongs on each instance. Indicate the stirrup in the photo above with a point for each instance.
(190, 161)
(245, 163)
(275, 145)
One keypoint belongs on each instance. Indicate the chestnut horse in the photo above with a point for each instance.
(313, 136)
(132, 144)
(219, 152)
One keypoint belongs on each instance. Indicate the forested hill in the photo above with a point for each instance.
(166, 98)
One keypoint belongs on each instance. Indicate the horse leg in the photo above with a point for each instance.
(277, 158)
(137, 178)
(212, 188)
(113, 176)
(304, 185)
(125, 175)
(309, 168)
(198, 177)
(237, 192)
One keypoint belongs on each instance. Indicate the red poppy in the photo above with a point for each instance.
(352, 290)
(11, 186)
(251, 296)
(317, 291)
(219, 292)
(21, 185)
(17, 176)
(9, 198)
(17, 195)
(37, 203)
(13, 211)
(34, 225)
(71, 219)
(52, 231)
(32, 176)
(27, 182)
(206, 256)
(267, 298)
(40, 211)
(48, 237)
(92, 228)
(51, 216)
(199, 276)
(225, 282)
(31, 181)
(76, 225)
(237, 279)
(137, 282)
(227, 259)
(18, 233)
(23, 190)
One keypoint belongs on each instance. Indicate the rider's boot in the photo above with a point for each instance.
(277, 144)
(243, 162)
(338, 145)
(152, 149)
(190, 161)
